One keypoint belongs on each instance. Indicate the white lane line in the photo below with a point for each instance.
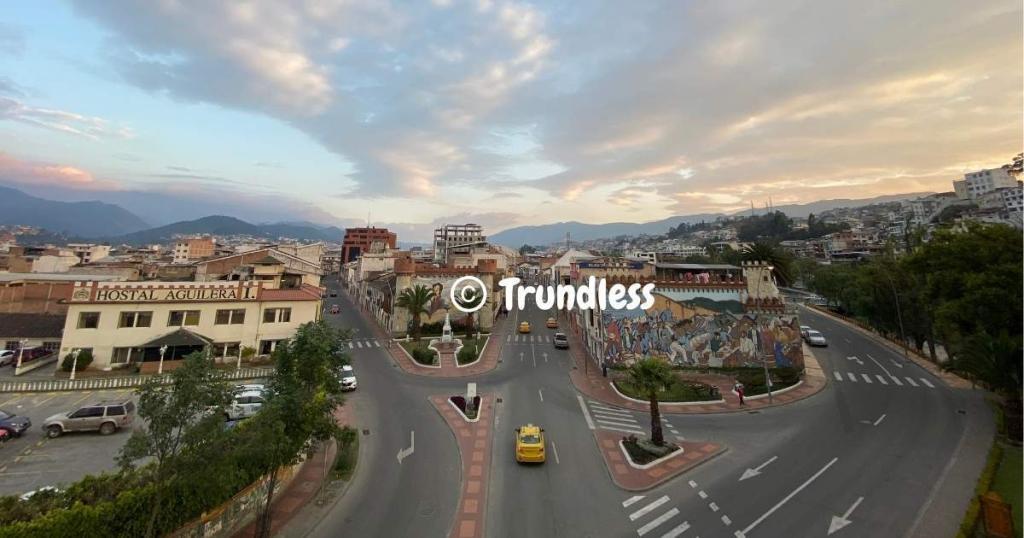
(896, 380)
(681, 528)
(631, 500)
(623, 430)
(647, 509)
(540, 392)
(911, 381)
(881, 379)
(853, 377)
(785, 499)
(586, 413)
(554, 449)
(839, 376)
(867, 378)
(847, 339)
(880, 419)
(702, 494)
(713, 507)
(657, 521)
(925, 381)
(616, 422)
(726, 520)
(879, 364)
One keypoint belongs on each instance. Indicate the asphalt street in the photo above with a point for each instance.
(862, 458)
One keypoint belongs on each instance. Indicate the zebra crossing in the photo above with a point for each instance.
(649, 515)
(528, 339)
(879, 379)
(624, 421)
(364, 343)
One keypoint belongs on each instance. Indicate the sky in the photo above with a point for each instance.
(501, 113)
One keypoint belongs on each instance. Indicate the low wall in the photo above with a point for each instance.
(37, 363)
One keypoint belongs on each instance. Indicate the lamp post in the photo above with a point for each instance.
(163, 350)
(74, 362)
(21, 352)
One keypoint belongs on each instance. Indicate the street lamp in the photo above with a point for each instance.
(21, 352)
(899, 315)
(74, 362)
(163, 350)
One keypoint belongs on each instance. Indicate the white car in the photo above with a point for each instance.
(803, 331)
(7, 357)
(815, 338)
(244, 405)
(348, 378)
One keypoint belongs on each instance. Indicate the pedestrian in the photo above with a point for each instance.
(739, 391)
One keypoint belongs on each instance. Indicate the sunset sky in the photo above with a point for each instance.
(501, 113)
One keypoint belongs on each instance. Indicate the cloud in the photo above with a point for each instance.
(49, 175)
(62, 121)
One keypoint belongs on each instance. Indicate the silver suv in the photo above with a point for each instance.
(105, 417)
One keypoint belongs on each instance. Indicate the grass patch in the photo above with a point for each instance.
(755, 390)
(1007, 482)
(420, 352)
(642, 452)
(682, 391)
(348, 454)
(471, 348)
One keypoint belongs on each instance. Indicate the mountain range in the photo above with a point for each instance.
(76, 219)
(223, 225)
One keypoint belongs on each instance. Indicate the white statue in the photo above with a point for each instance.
(446, 331)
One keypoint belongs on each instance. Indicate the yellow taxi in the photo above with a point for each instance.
(552, 323)
(524, 327)
(530, 444)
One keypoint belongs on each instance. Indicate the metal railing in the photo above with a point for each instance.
(102, 383)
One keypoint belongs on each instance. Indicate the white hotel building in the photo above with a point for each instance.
(128, 322)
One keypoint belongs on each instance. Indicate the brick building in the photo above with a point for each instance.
(360, 240)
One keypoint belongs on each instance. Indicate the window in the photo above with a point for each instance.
(51, 346)
(11, 345)
(179, 318)
(227, 349)
(230, 317)
(115, 411)
(279, 315)
(268, 346)
(121, 355)
(88, 320)
(88, 412)
(135, 319)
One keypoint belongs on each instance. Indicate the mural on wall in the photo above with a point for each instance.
(440, 304)
(706, 328)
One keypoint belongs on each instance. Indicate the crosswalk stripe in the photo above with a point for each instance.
(839, 376)
(657, 521)
(376, 343)
(509, 339)
(631, 500)
(351, 345)
(867, 378)
(925, 381)
(852, 376)
(681, 528)
(610, 411)
(623, 430)
(359, 345)
(911, 381)
(547, 339)
(881, 379)
(618, 421)
(896, 380)
(601, 407)
(611, 414)
(647, 509)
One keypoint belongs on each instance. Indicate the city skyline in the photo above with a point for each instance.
(498, 113)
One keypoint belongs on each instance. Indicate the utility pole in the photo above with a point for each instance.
(899, 316)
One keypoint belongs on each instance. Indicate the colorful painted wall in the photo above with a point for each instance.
(441, 302)
(702, 328)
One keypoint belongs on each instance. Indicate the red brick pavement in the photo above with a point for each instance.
(306, 484)
(474, 440)
(587, 378)
(630, 478)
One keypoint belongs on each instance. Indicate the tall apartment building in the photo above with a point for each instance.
(975, 184)
(457, 239)
(193, 248)
(360, 240)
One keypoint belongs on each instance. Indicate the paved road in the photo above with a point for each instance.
(870, 447)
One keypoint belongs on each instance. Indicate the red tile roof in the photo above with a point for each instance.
(306, 293)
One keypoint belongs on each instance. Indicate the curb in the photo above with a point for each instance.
(660, 403)
(629, 460)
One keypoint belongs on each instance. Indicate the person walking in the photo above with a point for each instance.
(739, 391)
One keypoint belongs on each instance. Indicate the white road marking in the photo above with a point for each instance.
(406, 452)
(838, 522)
(881, 379)
(702, 494)
(681, 528)
(554, 450)
(647, 509)
(713, 507)
(631, 500)
(359, 345)
(616, 422)
(750, 473)
(612, 410)
(726, 520)
(853, 376)
(847, 339)
(911, 381)
(785, 499)
(376, 343)
(509, 339)
(586, 413)
(351, 345)
(657, 521)
(540, 392)
(623, 430)
(867, 378)
(693, 484)
(839, 376)
(925, 381)
(896, 380)
(879, 364)
(880, 419)
(605, 414)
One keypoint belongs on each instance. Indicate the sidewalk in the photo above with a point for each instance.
(631, 478)
(587, 379)
(475, 440)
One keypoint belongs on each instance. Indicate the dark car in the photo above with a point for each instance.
(14, 425)
(561, 341)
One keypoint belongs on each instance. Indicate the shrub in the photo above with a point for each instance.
(84, 360)
(466, 355)
(423, 355)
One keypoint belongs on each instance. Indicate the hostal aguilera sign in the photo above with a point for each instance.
(138, 295)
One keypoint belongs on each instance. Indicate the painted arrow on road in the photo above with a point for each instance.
(406, 452)
(860, 362)
(896, 364)
(876, 422)
(751, 473)
(838, 522)
(545, 356)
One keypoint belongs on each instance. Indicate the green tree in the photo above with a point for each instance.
(650, 376)
(415, 300)
(780, 260)
(469, 298)
(178, 419)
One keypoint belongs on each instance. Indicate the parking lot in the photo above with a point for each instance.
(32, 461)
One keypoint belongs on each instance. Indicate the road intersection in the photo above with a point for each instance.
(865, 457)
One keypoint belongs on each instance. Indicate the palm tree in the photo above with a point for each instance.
(779, 259)
(649, 376)
(468, 298)
(415, 300)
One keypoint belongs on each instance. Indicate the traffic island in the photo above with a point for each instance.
(474, 438)
(632, 476)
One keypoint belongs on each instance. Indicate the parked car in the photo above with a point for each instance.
(8, 356)
(524, 327)
(561, 341)
(348, 378)
(334, 294)
(335, 309)
(250, 387)
(803, 331)
(105, 417)
(815, 338)
(244, 405)
(47, 490)
(552, 323)
(530, 444)
(14, 425)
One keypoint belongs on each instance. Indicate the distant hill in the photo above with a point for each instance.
(221, 225)
(802, 210)
(546, 234)
(77, 219)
